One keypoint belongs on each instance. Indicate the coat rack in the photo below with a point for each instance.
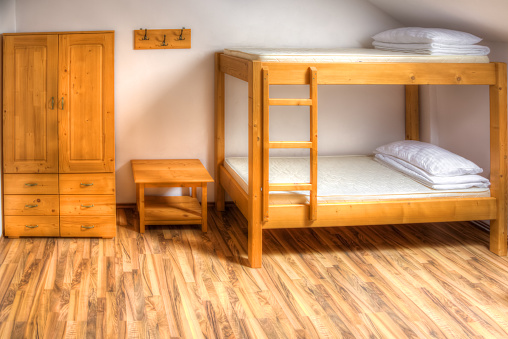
(162, 38)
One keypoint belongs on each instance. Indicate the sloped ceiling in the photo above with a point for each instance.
(487, 19)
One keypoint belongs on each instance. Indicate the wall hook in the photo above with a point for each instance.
(176, 38)
(181, 34)
(145, 37)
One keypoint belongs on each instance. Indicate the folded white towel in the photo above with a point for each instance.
(432, 181)
(432, 48)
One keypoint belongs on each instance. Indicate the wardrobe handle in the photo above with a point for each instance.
(87, 227)
(86, 184)
(62, 102)
(31, 184)
(31, 206)
(52, 103)
(87, 206)
(32, 226)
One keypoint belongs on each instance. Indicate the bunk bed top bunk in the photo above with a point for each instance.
(345, 55)
(262, 68)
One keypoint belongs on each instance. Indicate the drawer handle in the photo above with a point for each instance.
(87, 227)
(86, 184)
(87, 206)
(31, 184)
(32, 226)
(31, 206)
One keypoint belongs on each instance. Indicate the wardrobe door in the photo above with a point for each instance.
(85, 103)
(30, 115)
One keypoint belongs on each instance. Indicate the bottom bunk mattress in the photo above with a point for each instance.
(344, 178)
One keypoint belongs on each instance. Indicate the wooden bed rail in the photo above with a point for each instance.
(366, 73)
(312, 102)
(296, 214)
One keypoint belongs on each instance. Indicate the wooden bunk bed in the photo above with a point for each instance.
(263, 214)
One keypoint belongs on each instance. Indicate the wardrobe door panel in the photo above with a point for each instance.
(86, 109)
(30, 115)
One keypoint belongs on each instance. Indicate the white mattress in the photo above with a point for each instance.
(347, 178)
(318, 55)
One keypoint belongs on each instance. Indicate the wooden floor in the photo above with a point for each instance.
(407, 281)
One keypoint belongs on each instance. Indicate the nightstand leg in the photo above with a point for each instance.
(204, 205)
(141, 206)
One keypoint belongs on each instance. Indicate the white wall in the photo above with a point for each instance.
(7, 16)
(7, 25)
(164, 98)
(486, 18)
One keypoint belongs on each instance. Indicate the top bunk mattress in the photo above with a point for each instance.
(345, 55)
(345, 178)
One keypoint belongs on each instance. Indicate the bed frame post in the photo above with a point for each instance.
(219, 133)
(498, 159)
(412, 112)
(255, 165)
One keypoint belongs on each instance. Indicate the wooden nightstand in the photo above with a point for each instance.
(180, 210)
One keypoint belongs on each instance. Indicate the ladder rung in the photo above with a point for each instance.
(290, 102)
(290, 144)
(290, 187)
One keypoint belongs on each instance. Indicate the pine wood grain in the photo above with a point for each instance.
(30, 114)
(406, 281)
(412, 112)
(85, 103)
(255, 164)
(383, 73)
(162, 39)
(219, 132)
(498, 155)
(30, 184)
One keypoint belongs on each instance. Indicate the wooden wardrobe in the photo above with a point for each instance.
(58, 135)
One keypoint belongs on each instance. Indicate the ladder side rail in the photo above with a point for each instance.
(266, 144)
(313, 138)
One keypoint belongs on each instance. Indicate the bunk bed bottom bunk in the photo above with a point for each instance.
(403, 201)
(344, 178)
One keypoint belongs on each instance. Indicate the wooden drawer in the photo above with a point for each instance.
(30, 183)
(87, 205)
(31, 226)
(97, 183)
(31, 204)
(83, 226)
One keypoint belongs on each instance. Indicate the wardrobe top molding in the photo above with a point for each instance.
(56, 33)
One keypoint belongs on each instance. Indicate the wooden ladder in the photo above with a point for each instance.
(311, 145)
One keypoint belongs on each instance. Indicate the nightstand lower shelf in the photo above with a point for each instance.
(180, 210)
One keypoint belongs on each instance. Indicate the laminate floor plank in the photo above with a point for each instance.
(434, 280)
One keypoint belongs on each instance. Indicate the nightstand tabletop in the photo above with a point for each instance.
(172, 171)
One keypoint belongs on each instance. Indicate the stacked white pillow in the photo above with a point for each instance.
(431, 41)
(431, 165)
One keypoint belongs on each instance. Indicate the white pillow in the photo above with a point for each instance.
(417, 35)
(430, 158)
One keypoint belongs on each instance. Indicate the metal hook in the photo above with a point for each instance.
(164, 42)
(181, 34)
(145, 37)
